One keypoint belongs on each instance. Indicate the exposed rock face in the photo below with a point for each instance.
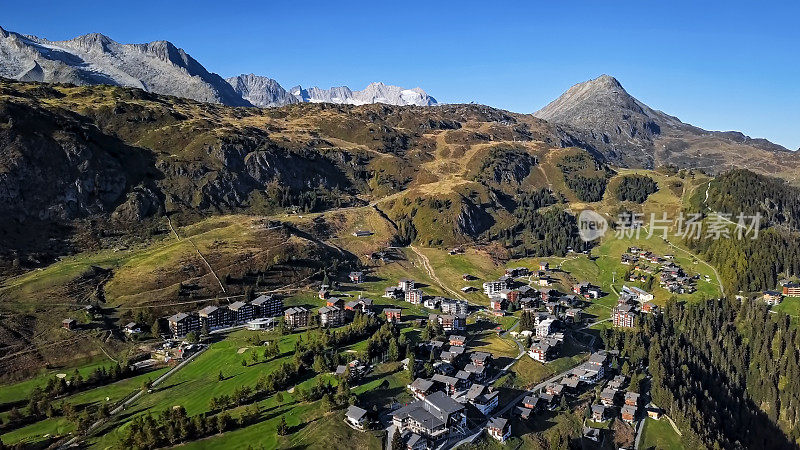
(261, 91)
(157, 66)
(374, 93)
(602, 116)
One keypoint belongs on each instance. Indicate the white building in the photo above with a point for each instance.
(545, 327)
(492, 288)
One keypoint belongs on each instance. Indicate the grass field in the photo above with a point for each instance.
(659, 435)
(790, 306)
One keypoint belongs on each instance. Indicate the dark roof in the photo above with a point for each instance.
(178, 317)
(356, 413)
(208, 310)
(498, 422)
(295, 310)
(236, 305)
(261, 299)
(422, 384)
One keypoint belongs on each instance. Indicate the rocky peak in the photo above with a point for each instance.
(91, 42)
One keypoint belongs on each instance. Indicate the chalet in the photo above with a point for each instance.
(772, 298)
(624, 316)
(586, 290)
(414, 296)
(415, 441)
(655, 413)
(431, 302)
(628, 413)
(393, 314)
(541, 352)
(241, 312)
(554, 389)
(365, 304)
(544, 265)
(456, 339)
(433, 417)
(517, 272)
(547, 400)
(493, 288)
(182, 324)
(512, 295)
(324, 294)
(450, 322)
(483, 398)
(574, 315)
(497, 306)
(267, 306)
(421, 387)
(332, 316)
(529, 304)
(449, 306)
(362, 233)
(598, 361)
(478, 373)
(608, 396)
(464, 377)
(69, 324)
(449, 384)
(467, 277)
(296, 317)
(531, 402)
(570, 383)
(499, 428)
(214, 317)
(632, 399)
(598, 413)
(335, 301)
(393, 292)
(405, 284)
(617, 382)
(132, 328)
(356, 417)
(481, 359)
(523, 412)
(356, 277)
(545, 280)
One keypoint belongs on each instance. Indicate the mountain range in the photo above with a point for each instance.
(598, 115)
(265, 92)
(162, 68)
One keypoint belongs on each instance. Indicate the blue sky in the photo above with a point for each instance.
(717, 65)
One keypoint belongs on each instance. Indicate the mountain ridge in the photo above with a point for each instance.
(605, 117)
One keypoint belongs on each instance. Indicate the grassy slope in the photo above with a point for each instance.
(660, 435)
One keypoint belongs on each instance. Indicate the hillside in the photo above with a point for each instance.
(604, 117)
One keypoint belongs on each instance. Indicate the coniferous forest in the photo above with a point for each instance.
(727, 372)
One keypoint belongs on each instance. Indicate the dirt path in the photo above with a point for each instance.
(221, 286)
(426, 264)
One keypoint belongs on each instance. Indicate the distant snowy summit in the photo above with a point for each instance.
(266, 92)
(162, 68)
(374, 93)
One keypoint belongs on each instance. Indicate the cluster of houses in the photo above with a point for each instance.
(671, 276)
(615, 401)
(216, 317)
(632, 301)
(585, 375)
(460, 378)
(454, 312)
